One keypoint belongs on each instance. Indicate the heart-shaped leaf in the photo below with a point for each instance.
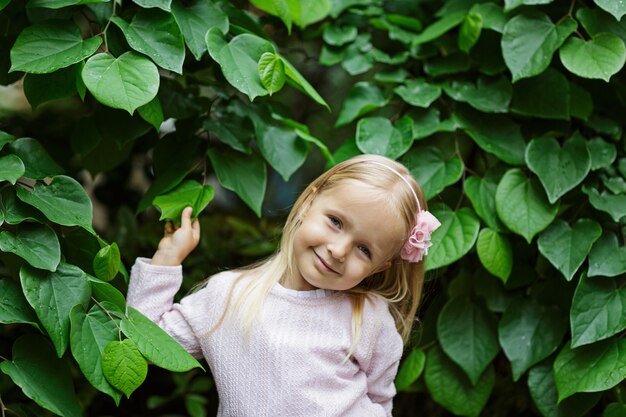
(126, 82)
(282, 148)
(482, 194)
(512, 4)
(602, 153)
(559, 169)
(123, 366)
(567, 247)
(53, 295)
(48, 46)
(614, 205)
(529, 40)
(244, 174)
(378, 136)
(16, 211)
(600, 58)
(607, 258)
(495, 253)
(161, 4)
(189, 193)
(11, 168)
(468, 335)
(42, 376)
(411, 369)
(195, 19)
(90, 333)
(597, 309)
(155, 33)
(37, 161)
(272, 72)
(522, 206)
(450, 387)
(491, 95)
(36, 243)
(13, 306)
(616, 8)
(530, 332)
(362, 98)
(63, 201)
(339, 35)
(434, 167)
(591, 368)
(546, 96)
(418, 92)
(455, 237)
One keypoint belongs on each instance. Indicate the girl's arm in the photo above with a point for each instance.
(154, 283)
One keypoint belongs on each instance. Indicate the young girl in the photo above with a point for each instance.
(318, 328)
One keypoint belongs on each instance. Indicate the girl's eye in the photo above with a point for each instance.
(334, 221)
(365, 251)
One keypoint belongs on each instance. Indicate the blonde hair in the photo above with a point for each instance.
(401, 284)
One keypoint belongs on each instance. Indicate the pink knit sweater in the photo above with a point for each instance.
(292, 364)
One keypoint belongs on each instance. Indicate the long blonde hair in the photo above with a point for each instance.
(401, 284)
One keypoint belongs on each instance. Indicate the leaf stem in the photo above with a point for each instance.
(108, 313)
(106, 27)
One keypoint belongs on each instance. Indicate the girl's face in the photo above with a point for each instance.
(347, 234)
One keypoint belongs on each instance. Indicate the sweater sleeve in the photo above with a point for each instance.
(151, 291)
(386, 353)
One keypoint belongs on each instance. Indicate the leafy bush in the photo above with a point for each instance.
(508, 113)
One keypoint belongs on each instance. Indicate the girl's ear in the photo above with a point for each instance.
(382, 267)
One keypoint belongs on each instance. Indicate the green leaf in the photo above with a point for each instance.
(5, 139)
(48, 46)
(543, 392)
(426, 122)
(40, 88)
(239, 60)
(155, 33)
(512, 4)
(15, 211)
(615, 410)
(156, 345)
(161, 4)
(90, 333)
(470, 31)
(488, 130)
(482, 194)
(13, 306)
(614, 205)
(546, 96)
(600, 58)
(495, 253)
(607, 258)
(438, 28)
(126, 82)
(36, 159)
(107, 293)
(378, 136)
(107, 262)
(302, 12)
(246, 175)
(301, 83)
(53, 295)
(410, 369)
(529, 40)
(522, 206)
(362, 98)
(232, 132)
(418, 92)
(602, 153)
(449, 386)
(36, 243)
(530, 332)
(455, 237)
(592, 368)
(57, 4)
(190, 193)
(598, 310)
(567, 247)
(434, 167)
(63, 201)
(339, 35)
(195, 19)
(468, 335)
(152, 112)
(123, 366)
(491, 95)
(272, 72)
(11, 168)
(616, 8)
(282, 148)
(42, 376)
(596, 21)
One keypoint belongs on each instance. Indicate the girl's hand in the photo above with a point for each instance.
(177, 242)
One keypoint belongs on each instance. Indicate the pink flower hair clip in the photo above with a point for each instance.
(418, 242)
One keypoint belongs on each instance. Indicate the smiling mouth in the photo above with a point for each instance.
(325, 264)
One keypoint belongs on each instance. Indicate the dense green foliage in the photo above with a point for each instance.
(509, 113)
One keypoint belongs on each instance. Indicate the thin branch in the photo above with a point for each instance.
(108, 313)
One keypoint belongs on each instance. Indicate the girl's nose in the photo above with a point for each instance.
(339, 248)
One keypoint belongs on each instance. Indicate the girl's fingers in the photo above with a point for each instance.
(169, 228)
(185, 220)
